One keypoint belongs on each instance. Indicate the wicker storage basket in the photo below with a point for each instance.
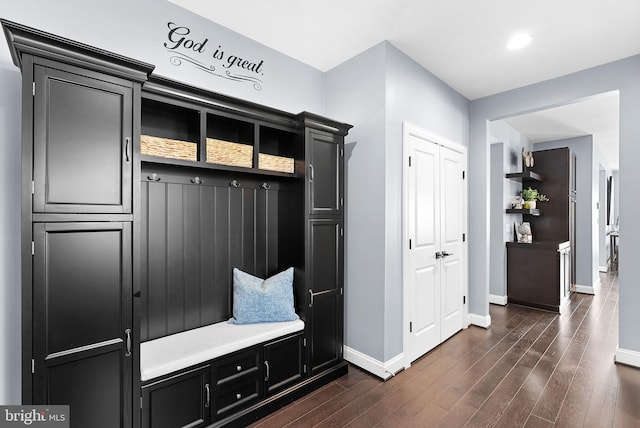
(167, 148)
(275, 163)
(227, 153)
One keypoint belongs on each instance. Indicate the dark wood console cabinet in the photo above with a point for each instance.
(122, 245)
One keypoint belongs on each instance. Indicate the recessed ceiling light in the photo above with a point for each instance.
(519, 41)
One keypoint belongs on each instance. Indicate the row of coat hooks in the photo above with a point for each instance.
(197, 180)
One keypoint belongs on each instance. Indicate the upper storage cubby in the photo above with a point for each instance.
(230, 141)
(278, 150)
(190, 127)
(169, 131)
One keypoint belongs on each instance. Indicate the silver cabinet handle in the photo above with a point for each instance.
(266, 365)
(311, 298)
(127, 334)
(127, 149)
(207, 390)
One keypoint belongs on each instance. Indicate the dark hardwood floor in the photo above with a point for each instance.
(530, 369)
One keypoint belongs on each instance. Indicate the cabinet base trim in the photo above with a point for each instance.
(483, 321)
(588, 289)
(383, 370)
(628, 357)
(497, 300)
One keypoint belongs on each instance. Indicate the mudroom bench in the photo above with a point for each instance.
(207, 374)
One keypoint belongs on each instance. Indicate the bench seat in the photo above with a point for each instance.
(178, 351)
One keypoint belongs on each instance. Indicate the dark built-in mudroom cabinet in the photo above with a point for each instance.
(541, 274)
(140, 196)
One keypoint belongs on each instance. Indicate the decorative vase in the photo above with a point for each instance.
(530, 205)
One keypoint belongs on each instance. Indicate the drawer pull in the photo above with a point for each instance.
(238, 396)
(266, 377)
(208, 391)
(239, 368)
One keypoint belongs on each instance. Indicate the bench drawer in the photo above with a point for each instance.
(235, 396)
(229, 369)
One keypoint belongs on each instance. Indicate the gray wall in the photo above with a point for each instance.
(374, 182)
(10, 333)
(619, 75)
(587, 194)
(506, 157)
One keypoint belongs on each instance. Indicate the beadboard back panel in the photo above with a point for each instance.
(192, 236)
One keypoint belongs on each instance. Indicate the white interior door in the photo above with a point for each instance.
(424, 269)
(451, 242)
(435, 254)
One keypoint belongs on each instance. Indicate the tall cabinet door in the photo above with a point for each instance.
(82, 134)
(324, 153)
(82, 321)
(326, 292)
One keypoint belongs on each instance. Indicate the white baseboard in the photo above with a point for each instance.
(628, 357)
(497, 300)
(588, 289)
(378, 368)
(603, 268)
(483, 321)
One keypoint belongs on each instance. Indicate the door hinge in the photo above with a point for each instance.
(409, 160)
(304, 341)
(33, 248)
(341, 201)
(410, 327)
(464, 237)
(409, 243)
(33, 187)
(341, 152)
(304, 368)
(141, 402)
(33, 366)
(342, 231)
(464, 300)
(33, 87)
(463, 175)
(341, 291)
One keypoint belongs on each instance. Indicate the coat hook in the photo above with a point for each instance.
(197, 180)
(265, 186)
(153, 177)
(234, 183)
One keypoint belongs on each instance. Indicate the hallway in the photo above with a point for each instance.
(530, 369)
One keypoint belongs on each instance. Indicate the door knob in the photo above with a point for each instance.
(439, 255)
(445, 254)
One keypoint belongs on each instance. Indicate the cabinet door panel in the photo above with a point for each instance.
(82, 318)
(82, 144)
(326, 331)
(325, 253)
(181, 401)
(284, 362)
(325, 170)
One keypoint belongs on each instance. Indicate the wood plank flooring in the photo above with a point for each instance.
(530, 369)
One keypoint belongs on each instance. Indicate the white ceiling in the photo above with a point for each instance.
(463, 42)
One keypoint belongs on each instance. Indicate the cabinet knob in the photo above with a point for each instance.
(239, 368)
(238, 396)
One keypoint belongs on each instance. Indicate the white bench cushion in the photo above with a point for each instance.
(181, 350)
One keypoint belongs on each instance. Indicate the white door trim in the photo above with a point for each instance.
(409, 129)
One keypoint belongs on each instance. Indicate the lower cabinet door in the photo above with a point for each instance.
(82, 321)
(183, 400)
(283, 363)
(326, 331)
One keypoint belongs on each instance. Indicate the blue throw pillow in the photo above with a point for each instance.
(256, 300)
